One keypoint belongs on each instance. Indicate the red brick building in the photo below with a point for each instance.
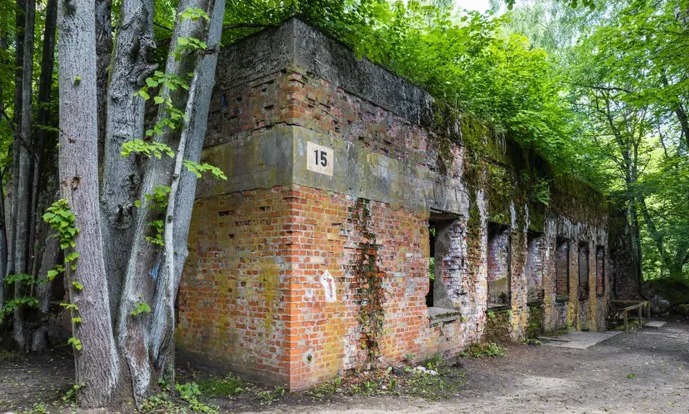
(344, 181)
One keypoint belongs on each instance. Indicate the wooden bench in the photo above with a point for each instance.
(632, 305)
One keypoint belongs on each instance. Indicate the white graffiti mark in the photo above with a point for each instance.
(329, 288)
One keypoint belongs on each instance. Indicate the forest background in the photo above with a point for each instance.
(598, 88)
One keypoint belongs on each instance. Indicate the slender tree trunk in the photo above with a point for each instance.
(22, 196)
(3, 241)
(684, 123)
(97, 363)
(3, 218)
(181, 198)
(45, 187)
(103, 51)
(18, 76)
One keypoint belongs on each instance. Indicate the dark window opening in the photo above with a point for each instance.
(583, 271)
(534, 267)
(498, 265)
(432, 231)
(562, 270)
(600, 270)
(439, 242)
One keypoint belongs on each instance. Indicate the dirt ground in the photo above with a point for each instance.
(645, 371)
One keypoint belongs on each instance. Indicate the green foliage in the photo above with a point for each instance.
(199, 168)
(490, 349)
(326, 390)
(60, 217)
(141, 307)
(438, 383)
(268, 397)
(190, 393)
(541, 192)
(188, 45)
(146, 148)
(223, 387)
(69, 306)
(75, 342)
(466, 61)
(14, 303)
(158, 227)
(71, 394)
(160, 403)
(19, 279)
(193, 13)
(159, 197)
(38, 408)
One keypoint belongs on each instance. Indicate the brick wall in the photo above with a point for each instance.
(498, 266)
(234, 296)
(296, 276)
(562, 269)
(535, 267)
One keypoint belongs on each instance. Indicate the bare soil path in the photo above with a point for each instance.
(644, 371)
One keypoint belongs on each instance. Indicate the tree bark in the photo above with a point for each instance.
(133, 331)
(114, 222)
(97, 363)
(44, 250)
(18, 76)
(125, 122)
(23, 157)
(103, 52)
(182, 196)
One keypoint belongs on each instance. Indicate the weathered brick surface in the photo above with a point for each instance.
(498, 266)
(535, 267)
(296, 276)
(235, 296)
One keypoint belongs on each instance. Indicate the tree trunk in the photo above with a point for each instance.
(3, 242)
(4, 35)
(45, 251)
(23, 157)
(181, 198)
(97, 363)
(125, 122)
(114, 222)
(133, 330)
(103, 52)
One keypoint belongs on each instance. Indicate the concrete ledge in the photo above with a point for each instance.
(441, 315)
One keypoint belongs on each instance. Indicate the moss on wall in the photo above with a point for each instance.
(534, 327)
(498, 325)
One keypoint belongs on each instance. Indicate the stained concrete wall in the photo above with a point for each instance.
(312, 259)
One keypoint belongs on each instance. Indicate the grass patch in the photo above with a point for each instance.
(490, 349)
(10, 356)
(268, 397)
(228, 386)
(437, 380)
(187, 400)
(326, 391)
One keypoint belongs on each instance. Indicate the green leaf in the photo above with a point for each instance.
(75, 342)
(141, 307)
(52, 274)
(144, 94)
